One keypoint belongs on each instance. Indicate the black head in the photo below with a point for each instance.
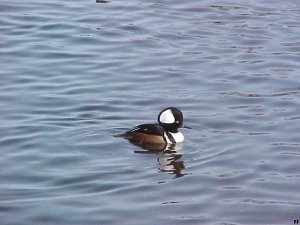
(171, 119)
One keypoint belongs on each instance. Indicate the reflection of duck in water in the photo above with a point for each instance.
(166, 131)
(167, 156)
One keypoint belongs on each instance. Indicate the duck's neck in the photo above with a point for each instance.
(170, 128)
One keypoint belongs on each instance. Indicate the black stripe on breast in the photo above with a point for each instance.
(170, 137)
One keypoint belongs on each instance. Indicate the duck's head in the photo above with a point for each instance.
(171, 119)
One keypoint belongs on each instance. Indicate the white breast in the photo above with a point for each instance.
(178, 137)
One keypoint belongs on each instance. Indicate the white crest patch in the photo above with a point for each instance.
(167, 117)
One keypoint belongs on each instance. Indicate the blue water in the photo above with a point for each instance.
(76, 73)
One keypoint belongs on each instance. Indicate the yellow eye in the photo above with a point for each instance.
(176, 121)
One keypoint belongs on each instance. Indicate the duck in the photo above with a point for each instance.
(165, 131)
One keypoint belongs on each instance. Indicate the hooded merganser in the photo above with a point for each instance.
(166, 131)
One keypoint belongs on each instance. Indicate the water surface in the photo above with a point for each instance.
(74, 74)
